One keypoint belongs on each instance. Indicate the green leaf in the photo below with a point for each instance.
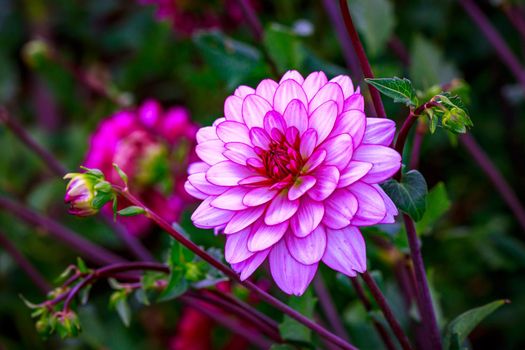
(121, 173)
(82, 266)
(292, 330)
(459, 328)
(284, 47)
(375, 20)
(409, 195)
(131, 211)
(232, 60)
(123, 311)
(177, 285)
(438, 204)
(400, 90)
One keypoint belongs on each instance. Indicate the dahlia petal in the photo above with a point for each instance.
(339, 151)
(294, 75)
(379, 131)
(353, 172)
(353, 123)
(199, 181)
(207, 133)
(340, 208)
(356, 101)
(345, 251)
(308, 143)
(289, 274)
(315, 160)
(254, 108)
(301, 186)
(255, 163)
(243, 91)
(313, 83)
(211, 151)
(231, 199)
(243, 219)
(385, 162)
(198, 167)
(308, 250)
(307, 218)
(329, 92)
(206, 216)
(192, 191)
(266, 89)
(230, 131)
(274, 120)
(371, 206)
(287, 91)
(254, 180)
(218, 121)
(391, 209)
(327, 178)
(233, 108)
(345, 83)
(239, 152)
(258, 196)
(236, 247)
(264, 236)
(247, 267)
(280, 209)
(323, 119)
(228, 173)
(260, 138)
(295, 115)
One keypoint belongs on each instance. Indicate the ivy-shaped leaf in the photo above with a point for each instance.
(400, 90)
(409, 195)
(292, 330)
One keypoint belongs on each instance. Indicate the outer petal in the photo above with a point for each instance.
(345, 83)
(356, 101)
(280, 209)
(340, 208)
(371, 206)
(379, 131)
(296, 115)
(353, 172)
(198, 167)
(236, 247)
(230, 131)
(239, 152)
(231, 199)
(254, 108)
(301, 186)
(228, 173)
(290, 275)
(263, 236)
(308, 217)
(248, 266)
(192, 191)
(339, 150)
(327, 179)
(313, 83)
(233, 108)
(353, 123)
(286, 92)
(345, 251)
(391, 209)
(200, 182)
(243, 91)
(206, 216)
(243, 219)
(308, 250)
(323, 119)
(294, 75)
(329, 92)
(259, 195)
(266, 89)
(211, 151)
(385, 162)
(207, 133)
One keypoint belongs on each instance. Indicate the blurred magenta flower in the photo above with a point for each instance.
(290, 173)
(153, 147)
(187, 16)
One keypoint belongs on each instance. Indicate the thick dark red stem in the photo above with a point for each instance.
(387, 312)
(363, 60)
(233, 276)
(325, 299)
(251, 18)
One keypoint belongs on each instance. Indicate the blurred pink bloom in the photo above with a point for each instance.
(186, 16)
(153, 147)
(290, 173)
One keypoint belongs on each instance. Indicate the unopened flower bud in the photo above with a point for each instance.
(87, 192)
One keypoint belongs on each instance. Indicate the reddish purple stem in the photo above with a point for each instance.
(325, 299)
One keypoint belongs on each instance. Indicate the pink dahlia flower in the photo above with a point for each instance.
(152, 146)
(290, 174)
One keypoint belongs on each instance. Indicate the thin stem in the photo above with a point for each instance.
(232, 274)
(328, 306)
(24, 264)
(416, 145)
(132, 243)
(81, 245)
(240, 329)
(495, 176)
(387, 312)
(385, 337)
(423, 290)
(363, 60)
(495, 39)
